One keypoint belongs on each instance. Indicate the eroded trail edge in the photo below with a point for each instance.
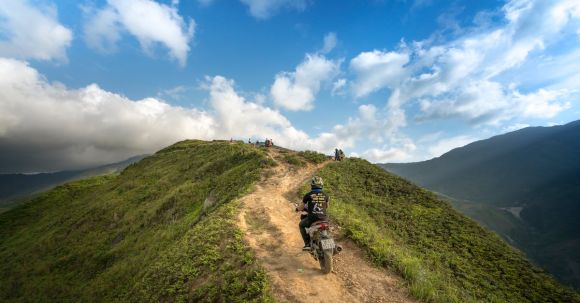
(270, 226)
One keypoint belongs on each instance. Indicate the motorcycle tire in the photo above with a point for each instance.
(326, 262)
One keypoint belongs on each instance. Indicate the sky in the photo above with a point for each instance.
(89, 82)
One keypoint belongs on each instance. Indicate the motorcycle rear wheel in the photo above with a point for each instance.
(326, 262)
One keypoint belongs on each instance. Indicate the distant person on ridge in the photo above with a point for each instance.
(315, 203)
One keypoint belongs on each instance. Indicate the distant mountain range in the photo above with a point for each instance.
(15, 186)
(524, 184)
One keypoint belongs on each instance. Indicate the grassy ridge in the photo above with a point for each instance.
(444, 256)
(162, 230)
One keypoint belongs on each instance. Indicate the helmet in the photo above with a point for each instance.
(317, 182)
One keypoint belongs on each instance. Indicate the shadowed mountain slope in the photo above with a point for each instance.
(534, 173)
(14, 186)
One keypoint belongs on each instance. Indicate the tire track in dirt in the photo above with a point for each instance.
(270, 225)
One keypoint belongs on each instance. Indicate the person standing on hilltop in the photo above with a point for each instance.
(315, 203)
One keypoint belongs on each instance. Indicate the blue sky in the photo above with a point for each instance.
(89, 82)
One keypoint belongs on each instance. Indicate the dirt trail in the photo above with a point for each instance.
(271, 229)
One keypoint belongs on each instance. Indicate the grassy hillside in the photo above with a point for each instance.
(161, 231)
(444, 256)
(536, 169)
(505, 223)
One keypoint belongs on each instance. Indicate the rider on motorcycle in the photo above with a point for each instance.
(315, 203)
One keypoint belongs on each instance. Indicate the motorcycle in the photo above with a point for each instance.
(323, 247)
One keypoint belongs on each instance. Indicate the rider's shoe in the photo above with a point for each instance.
(306, 247)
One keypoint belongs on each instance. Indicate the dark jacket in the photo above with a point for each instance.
(316, 203)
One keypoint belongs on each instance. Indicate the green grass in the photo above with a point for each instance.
(504, 223)
(146, 235)
(164, 230)
(213, 258)
(313, 157)
(299, 159)
(442, 255)
(293, 160)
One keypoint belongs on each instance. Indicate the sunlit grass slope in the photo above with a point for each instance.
(161, 231)
(443, 255)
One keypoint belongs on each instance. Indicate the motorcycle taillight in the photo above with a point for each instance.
(323, 226)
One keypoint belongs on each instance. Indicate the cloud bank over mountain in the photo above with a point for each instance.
(46, 126)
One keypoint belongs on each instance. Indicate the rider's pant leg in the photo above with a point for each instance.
(304, 223)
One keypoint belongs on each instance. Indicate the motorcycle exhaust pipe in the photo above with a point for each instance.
(337, 249)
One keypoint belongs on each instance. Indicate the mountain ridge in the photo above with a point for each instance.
(167, 229)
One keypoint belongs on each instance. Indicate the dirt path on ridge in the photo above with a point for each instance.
(270, 225)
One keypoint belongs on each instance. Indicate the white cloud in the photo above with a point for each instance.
(56, 128)
(489, 102)
(371, 126)
(60, 128)
(329, 42)
(175, 93)
(462, 78)
(365, 125)
(390, 154)
(542, 103)
(260, 98)
(240, 118)
(102, 31)
(46, 126)
(558, 72)
(375, 70)
(297, 90)
(149, 22)
(468, 78)
(514, 127)
(30, 32)
(448, 144)
(264, 9)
